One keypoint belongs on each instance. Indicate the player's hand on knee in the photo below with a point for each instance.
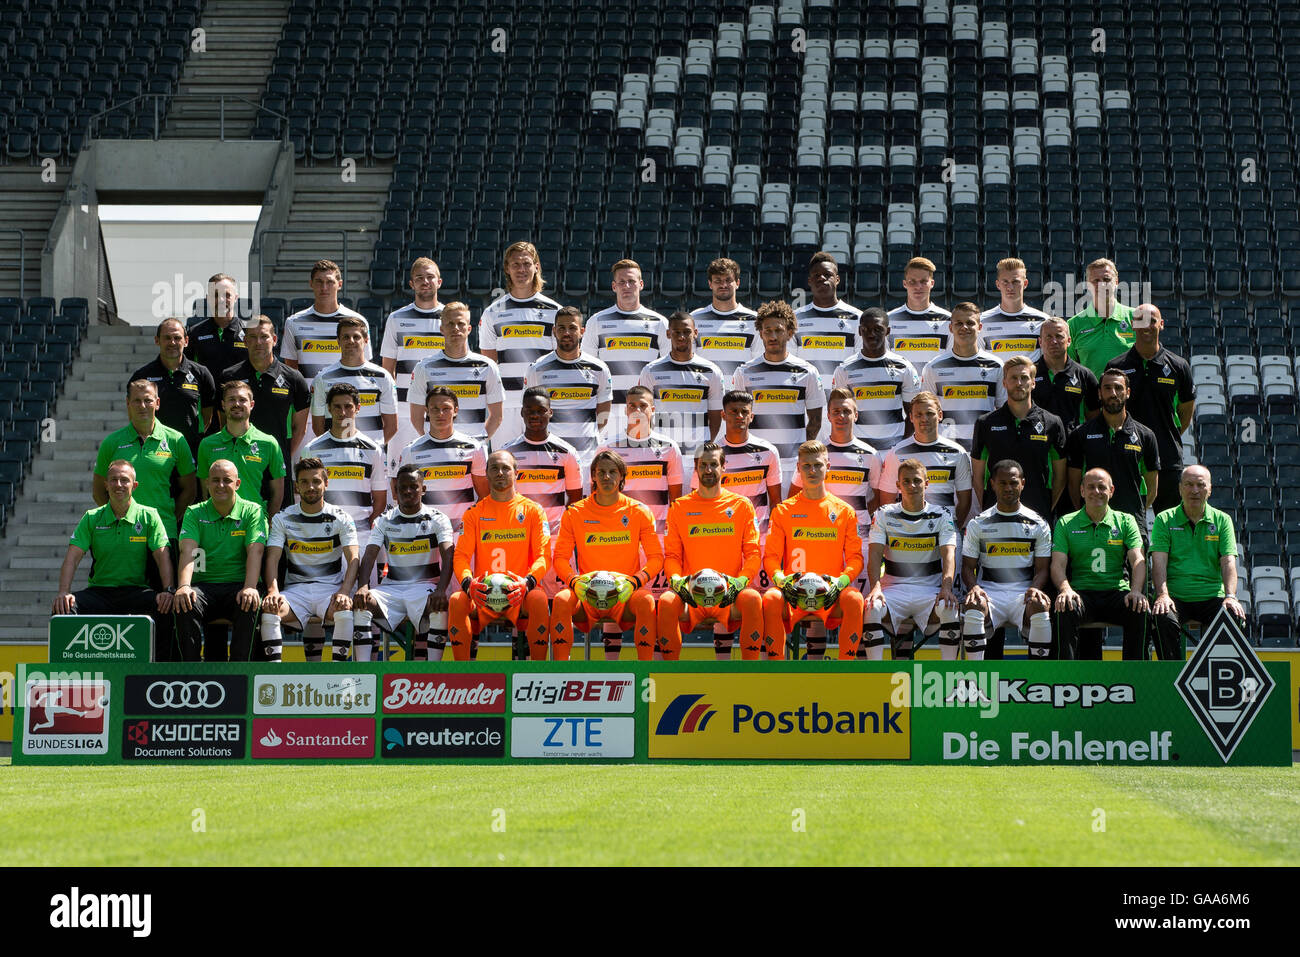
(436, 603)
(340, 602)
(1137, 602)
(1037, 602)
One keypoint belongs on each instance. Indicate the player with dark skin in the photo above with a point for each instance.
(410, 495)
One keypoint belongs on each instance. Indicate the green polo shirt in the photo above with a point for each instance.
(1094, 341)
(1097, 550)
(1193, 572)
(120, 547)
(224, 541)
(156, 458)
(255, 454)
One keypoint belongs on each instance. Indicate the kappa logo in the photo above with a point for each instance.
(685, 714)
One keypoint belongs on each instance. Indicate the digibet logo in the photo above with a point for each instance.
(449, 693)
(574, 693)
(314, 737)
(580, 737)
(444, 738)
(182, 739)
(67, 716)
(182, 694)
(314, 694)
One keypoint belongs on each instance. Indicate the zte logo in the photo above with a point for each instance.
(76, 910)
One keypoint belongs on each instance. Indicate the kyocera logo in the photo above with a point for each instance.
(684, 715)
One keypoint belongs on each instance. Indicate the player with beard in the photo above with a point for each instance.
(726, 330)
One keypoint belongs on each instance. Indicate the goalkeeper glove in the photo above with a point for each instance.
(681, 586)
(790, 590)
(626, 586)
(734, 585)
(478, 590)
(779, 578)
(837, 586)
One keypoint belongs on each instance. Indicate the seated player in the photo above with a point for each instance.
(813, 532)
(916, 542)
(417, 539)
(319, 541)
(1008, 547)
(711, 528)
(504, 533)
(605, 532)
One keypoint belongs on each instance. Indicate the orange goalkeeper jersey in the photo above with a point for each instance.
(717, 533)
(503, 537)
(810, 535)
(608, 538)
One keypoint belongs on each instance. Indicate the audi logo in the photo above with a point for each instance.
(185, 694)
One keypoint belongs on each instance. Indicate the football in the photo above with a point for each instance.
(602, 591)
(811, 592)
(707, 587)
(498, 588)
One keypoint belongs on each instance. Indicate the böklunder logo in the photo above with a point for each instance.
(444, 694)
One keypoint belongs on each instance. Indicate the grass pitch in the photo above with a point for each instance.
(611, 815)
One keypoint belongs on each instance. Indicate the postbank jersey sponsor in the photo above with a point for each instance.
(626, 342)
(967, 387)
(1007, 334)
(684, 395)
(313, 544)
(449, 467)
(613, 538)
(717, 533)
(727, 339)
(653, 464)
(1006, 546)
(312, 339)
(411, 334)
(411, 543)
(912, 543)
(851, 475)
(547, 471)
(826, 337)
(880, 387)
(375, 385)
(519, 331)
(474, 378)
(503, 537)
(947, 466)
(576, 387)
(918, 336)
(810, 535)
(784, 393)
(356, 471)
(748, 469)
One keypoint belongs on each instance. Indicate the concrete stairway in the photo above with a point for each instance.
(29, 204)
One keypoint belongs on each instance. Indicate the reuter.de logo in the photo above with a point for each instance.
(66, 716)
(315, 694)
(572, 693)
(186, 694)
(444, 694)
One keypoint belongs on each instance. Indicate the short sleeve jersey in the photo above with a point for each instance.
(880, 387)
(356, 469)
(411, 334)
(727, 339)
(784, 393)
(577, 387)
(684, 395)
(1094, 341)
(1008, 334)
(449, 467)
(626, 342)
(119, 547)
(1006, 545)
(967, 387)
(224, 539)
(372, 382)
(1194, 550)
(311, 338)
(474, 378)
(519, 331)
(947, 466)
(913, 543)
(826, 337)
(1097, 552)
(156, 457)
(918, 336)
(412, 543)
(256, 456)
(313, 543)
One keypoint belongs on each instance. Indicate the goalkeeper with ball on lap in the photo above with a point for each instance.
(813, 554)
(598, 555)
(710, 557)
(504, 539)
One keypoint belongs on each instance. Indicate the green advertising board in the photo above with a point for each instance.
(101, 639)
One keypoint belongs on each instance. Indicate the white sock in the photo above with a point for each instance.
(272, 640)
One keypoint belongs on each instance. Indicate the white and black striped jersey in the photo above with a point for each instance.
(880, 387)
(410, 334)
(313, 544)
(748, 469)
(546, 471)
(784, 393)
(377, 390)
(1006, 546)
(312, 339)
(625, 342)
(913, 543)
(826, 337)
(449, 467)
(684, 395)
(576, 386)
(947, 466)
(411, 542)
(474, 378)
(852, 473)
(727, 339)
(653, 464)
(1008, 334)
(356, 470)
(918, 336)
(967, 387)
(520, 331)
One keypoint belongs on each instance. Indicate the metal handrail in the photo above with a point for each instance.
(93, 124)
(22, 260)
(261, 261)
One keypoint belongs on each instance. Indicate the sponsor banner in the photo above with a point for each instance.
(786, 716)
(1283, 656)
(572, 737)
(405, 738)
(314, 694)
(88, 639)
(186, 694)
(444, 693)
(281, 738)
(183, 739)
(65, 716)
(573, 692)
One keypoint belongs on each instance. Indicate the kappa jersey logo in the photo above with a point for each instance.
(685, 714)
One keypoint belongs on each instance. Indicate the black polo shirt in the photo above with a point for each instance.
(1156, 387)
(182, 395)
(1036, 441)
(217, 349)
(278, 393)
(1067, 394)
(1127, 453)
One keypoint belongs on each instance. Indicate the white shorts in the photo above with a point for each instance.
(1006, 606)
(406, 600)
(308, 599)
(914, 603)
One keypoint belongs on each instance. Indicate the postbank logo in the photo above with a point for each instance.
(912, 543)
(702, 531)
(1007, 549)
(609, 538)
(776, 395)
(875, 392)
(423, 342)
(681, 395)
(504, 535)
(815, 534)
(965, 392)
(523, 332)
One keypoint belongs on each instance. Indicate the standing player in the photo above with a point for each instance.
(966, 378)
(915, 542)
(454, 465)
(417, 539)
(504, 533)
(319, 543)
(787, 390)
(1005, 556)
(473, 377)
(411, 334)
(626, 336)
(919, 328)
(606, 532)
(1120, 444)
(947, 465)
(1062, 386)
(516, 329)
(726, 330)
(813, 532)
(653, 461)
(883, 383)
(1011, 328)
(354, 462)
(376, 416)
(711, 528)
(687, 389)
(217, 342)
(579, 385)
(254, 453)
(828, 326)
(311, 336)
(187, 393)
(1105, 329)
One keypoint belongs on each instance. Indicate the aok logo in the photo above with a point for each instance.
(684, 715)
(102, 637)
